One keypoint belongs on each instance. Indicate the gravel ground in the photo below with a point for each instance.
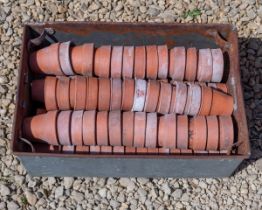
(241, 191)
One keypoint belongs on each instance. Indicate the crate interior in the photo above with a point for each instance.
(199, 36)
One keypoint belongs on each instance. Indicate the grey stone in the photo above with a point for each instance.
(12, 205)
(177, 194)
(19, 179)
(59, 192)
(258, 62)
(102, 192)
(128, 183)
(68, 182)
(4, 190)
(31, 198)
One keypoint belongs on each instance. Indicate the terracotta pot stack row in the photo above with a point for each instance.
(124, 150)
(131, 129)
(150, 62)
(90, 93)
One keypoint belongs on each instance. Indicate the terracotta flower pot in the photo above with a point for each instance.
(218, 65)
(140, 62)
(70, 149)
(164, 98)
(82, 57)
(116, 61)
(128, 128)
(130, 150)
(46, 60)
(72, 92)
(64, 58)
(164, 151)
(36, 127)
(95, 149)
(106, 149)
(92, 95)
(82, 149)
(115, 127)
(198, 133)
(89, 127)
(181, 96)
(189, 98)
(177, 63)
(80, 94)
(152, 95)
(222, 104)
(141, 150)
(212, 133)
(116, 94)
(62, 93)
(118, 150)
(139, 129)
(151, 62)
(128, 61)
(50, 93)
(77, 128)
(226, 133)
(162, 52)
(102, 61)
(206, 100)
(204, 72)
(195, 100)
(151, 130)
(140, 95)
(152, 151)
(167, 131)
(222, 87)
(104, 94)
(173, 100)
(63, 127)
(175, 151)
(128, 93)
(37, 90)
(102, 128)
(191, 64)
(182, 132)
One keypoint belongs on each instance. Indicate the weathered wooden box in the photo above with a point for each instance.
(198, 35)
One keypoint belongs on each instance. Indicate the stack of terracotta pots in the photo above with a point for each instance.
(130, 100)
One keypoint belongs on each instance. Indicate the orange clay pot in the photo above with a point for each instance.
(151, 62)
(114, 124)
(212, 133)
(182, 132)
(162, 52)
(140, 62)
(116, 94)
(217, 64)
(46, 60)
(76, 128)
(226, 128)
(50, 93)
(173, 100)
(128, 62)
(198, 133)
(116, 61)
(102, 61)
(204, 72)
(62, 93)
(102, 128)
(63, 127)
(82, 58)
(128, 128)
(64, 58)
(128, 92)
(36, 127)
(104, 94)
(80, 93)
(206, 100)
(177, 63)
(151, 130)
(152, 95)
(139, 129)
(191, 64)
(181, 96)
(92, 94)
(167, 131)
(164, 98)
(89, 127)
(222, 104)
